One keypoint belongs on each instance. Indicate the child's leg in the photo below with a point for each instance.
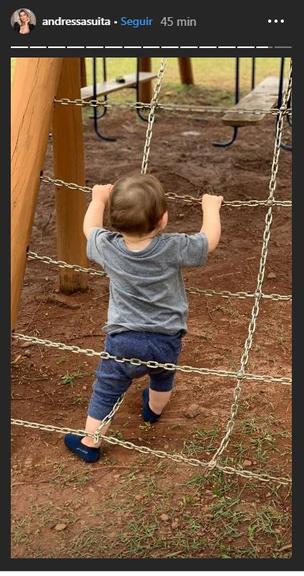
(154, 401)
(158, 400)
(91, 426)
(110, 383)
(164, 349)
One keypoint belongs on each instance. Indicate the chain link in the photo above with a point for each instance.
(150, 363)
(200, 291)
(70, 185)
(170, 107)
(151, 117)
(180, 458)
(187, 198)
(264, 252)
(62, 264)
(241, 295)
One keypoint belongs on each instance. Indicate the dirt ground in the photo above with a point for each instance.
(130, 505)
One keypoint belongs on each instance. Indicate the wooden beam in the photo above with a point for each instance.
(34, 87)
(185, 70)
(109, 86)
(145, 89)
(83, 72)
(69, 166)
(263, 98)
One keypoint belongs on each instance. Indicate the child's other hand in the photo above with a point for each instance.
(102, 192)
(210, 201)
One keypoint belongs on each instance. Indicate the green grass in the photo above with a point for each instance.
(213, 73)
(214, 518)
(201, 443)
(70, 377)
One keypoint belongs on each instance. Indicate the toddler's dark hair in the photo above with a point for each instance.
(137, 203)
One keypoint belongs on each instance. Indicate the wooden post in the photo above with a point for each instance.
(145, 88)
(185, 70)
(83, 72)
(69, 166)
(34, 87)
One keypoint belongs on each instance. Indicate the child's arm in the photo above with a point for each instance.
(94, 214)
(211, 225)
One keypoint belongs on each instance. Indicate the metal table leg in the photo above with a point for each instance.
(237, 97)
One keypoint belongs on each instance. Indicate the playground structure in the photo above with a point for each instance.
(32, 115)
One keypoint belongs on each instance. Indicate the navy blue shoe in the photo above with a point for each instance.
(147, 413)
(86, 453)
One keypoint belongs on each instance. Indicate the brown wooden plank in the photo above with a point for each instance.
(145, 88)
(69, 166)
(34, 87)
(113, 86)
(263, 97)
(185, 70)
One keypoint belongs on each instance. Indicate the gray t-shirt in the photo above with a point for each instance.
(147, 291)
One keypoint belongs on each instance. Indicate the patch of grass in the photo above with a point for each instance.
(266, 522)
(222, 484)
(70, 377)
(197, 481)
(202, 441)
(78, 400)
(64, 477)
(90, 541)
(20, 530)
(262, 445)
(249, 426)
(117, 434)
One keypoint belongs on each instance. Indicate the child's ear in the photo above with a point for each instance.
(164, 220)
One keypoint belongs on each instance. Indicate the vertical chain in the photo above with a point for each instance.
(261, 273)
(151, 117)
(108, 418)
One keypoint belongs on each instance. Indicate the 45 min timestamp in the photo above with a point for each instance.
(186, 22)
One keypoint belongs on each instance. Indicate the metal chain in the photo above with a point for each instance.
(260, 278)
(149, 363)
(187, 198)
(180, 458)
(95, 103)
(62, 264)
(204, 292)
(151, 117)
(70, 185)
(241, 294)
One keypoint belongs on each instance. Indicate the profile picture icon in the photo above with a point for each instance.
(23, 21)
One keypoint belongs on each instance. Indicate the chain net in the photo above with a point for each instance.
(240, 375)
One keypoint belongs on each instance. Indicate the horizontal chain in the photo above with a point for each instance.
(240, 294)
(62, 264)
(70, 185)
(180, 458)
(188, 199)
(172, 196)
(96, 103)
(204, 292)
(151, 363)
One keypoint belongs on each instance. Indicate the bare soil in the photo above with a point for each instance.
(130, 505)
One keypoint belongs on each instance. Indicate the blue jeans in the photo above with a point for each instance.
(113, 378)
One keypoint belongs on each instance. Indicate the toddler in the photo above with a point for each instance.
(148, 309)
